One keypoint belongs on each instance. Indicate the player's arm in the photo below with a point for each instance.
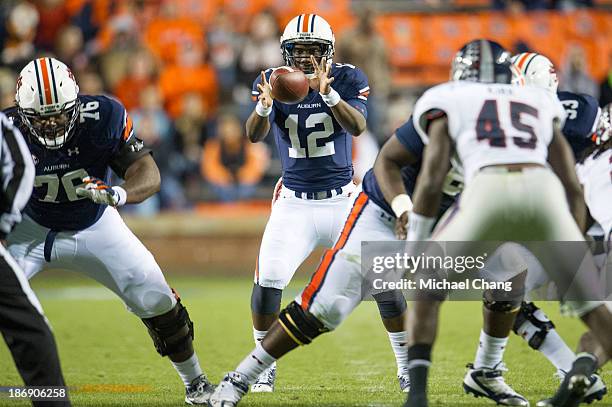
(561, 160)
(258, 124)
(403, 148)
(351, 120)
(142, 180)
(428, 189)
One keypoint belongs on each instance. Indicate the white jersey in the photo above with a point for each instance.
(492, 124)
(595, 174)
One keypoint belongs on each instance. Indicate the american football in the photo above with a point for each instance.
(288, 203)
(289, 85)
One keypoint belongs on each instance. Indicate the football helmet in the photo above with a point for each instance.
(308, 30)
(47, 101)
(603, 132)
(482, 61)
(537, 70)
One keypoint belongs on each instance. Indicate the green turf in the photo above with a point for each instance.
(109, 359)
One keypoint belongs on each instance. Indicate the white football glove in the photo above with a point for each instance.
(100, 193)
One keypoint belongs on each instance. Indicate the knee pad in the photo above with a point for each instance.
(171, 332)
(266, 300)
(532, 324)
(391, 304)
(300, 325)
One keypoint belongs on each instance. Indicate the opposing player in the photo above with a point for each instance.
(531, 323)
(71, 221)
(503, 140)
(314, 140)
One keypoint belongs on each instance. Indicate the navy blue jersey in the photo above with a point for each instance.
(408, 136)
(582, 113)
(103, 129)
(315, 151)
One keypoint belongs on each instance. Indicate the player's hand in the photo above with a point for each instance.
(322, 72)
(401, 226)
(96, 190)
(265, 91)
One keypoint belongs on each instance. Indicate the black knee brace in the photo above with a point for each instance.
(171, 332)
(266, 300)
(301, 325)
(502, 301)
(391, 304)
(541, 323)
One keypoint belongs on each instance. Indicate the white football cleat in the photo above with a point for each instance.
(199, 391)
(230, 391)
(490, 383)
(404, 381)
(265, 381)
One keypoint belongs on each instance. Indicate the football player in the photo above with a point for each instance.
(503, 139)
(71, 221)
(531, 323)
(311, 201)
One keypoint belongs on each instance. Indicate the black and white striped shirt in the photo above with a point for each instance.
(16, 176)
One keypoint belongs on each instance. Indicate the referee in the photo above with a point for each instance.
(22, 322)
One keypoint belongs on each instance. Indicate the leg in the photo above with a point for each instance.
(422, 327)
(282, 250)
(26, 332)
(392, 308)
(124, 265)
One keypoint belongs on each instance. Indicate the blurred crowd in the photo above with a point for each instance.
(184, 70)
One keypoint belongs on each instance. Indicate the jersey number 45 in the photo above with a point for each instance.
(488, 126)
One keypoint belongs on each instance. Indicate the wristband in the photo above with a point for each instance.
(261, 110)
(332, 98)
(400, 204)
(122, 193)
(419, 227)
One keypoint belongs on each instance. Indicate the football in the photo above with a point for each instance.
(289, 85)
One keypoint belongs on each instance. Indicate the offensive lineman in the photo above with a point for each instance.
(502, 141)
(314, 142)
(71, 221)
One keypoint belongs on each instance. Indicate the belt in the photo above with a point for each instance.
(318, 195)
(504, 169)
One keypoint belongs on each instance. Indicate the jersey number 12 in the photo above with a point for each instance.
(313, 149)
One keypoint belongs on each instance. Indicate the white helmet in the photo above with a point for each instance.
(307, 29)
(536, 70)
(47, 101)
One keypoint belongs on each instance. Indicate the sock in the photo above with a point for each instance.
(419, 360)
(400, 349)
(556, 350)
(490, 351)
(255, 363)
(258, 335)
(189, 369)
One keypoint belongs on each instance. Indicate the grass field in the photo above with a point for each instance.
(109, 360)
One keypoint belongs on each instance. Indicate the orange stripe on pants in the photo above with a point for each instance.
(319, 275)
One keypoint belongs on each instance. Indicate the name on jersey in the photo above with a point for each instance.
(56, 167)
(309, 106)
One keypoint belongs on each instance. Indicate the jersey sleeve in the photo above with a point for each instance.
(127, 148)
(408, 136)
(356, 90)
(434, 103)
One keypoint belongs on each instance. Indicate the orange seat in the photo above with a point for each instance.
(338, 13)
(404, 38)
(497, 27)
(543, 31)
(452, 30)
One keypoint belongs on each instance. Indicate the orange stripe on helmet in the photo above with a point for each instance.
(46, 82)
(128, 127)
(523, 59)
(305, 22)
(319, 276)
